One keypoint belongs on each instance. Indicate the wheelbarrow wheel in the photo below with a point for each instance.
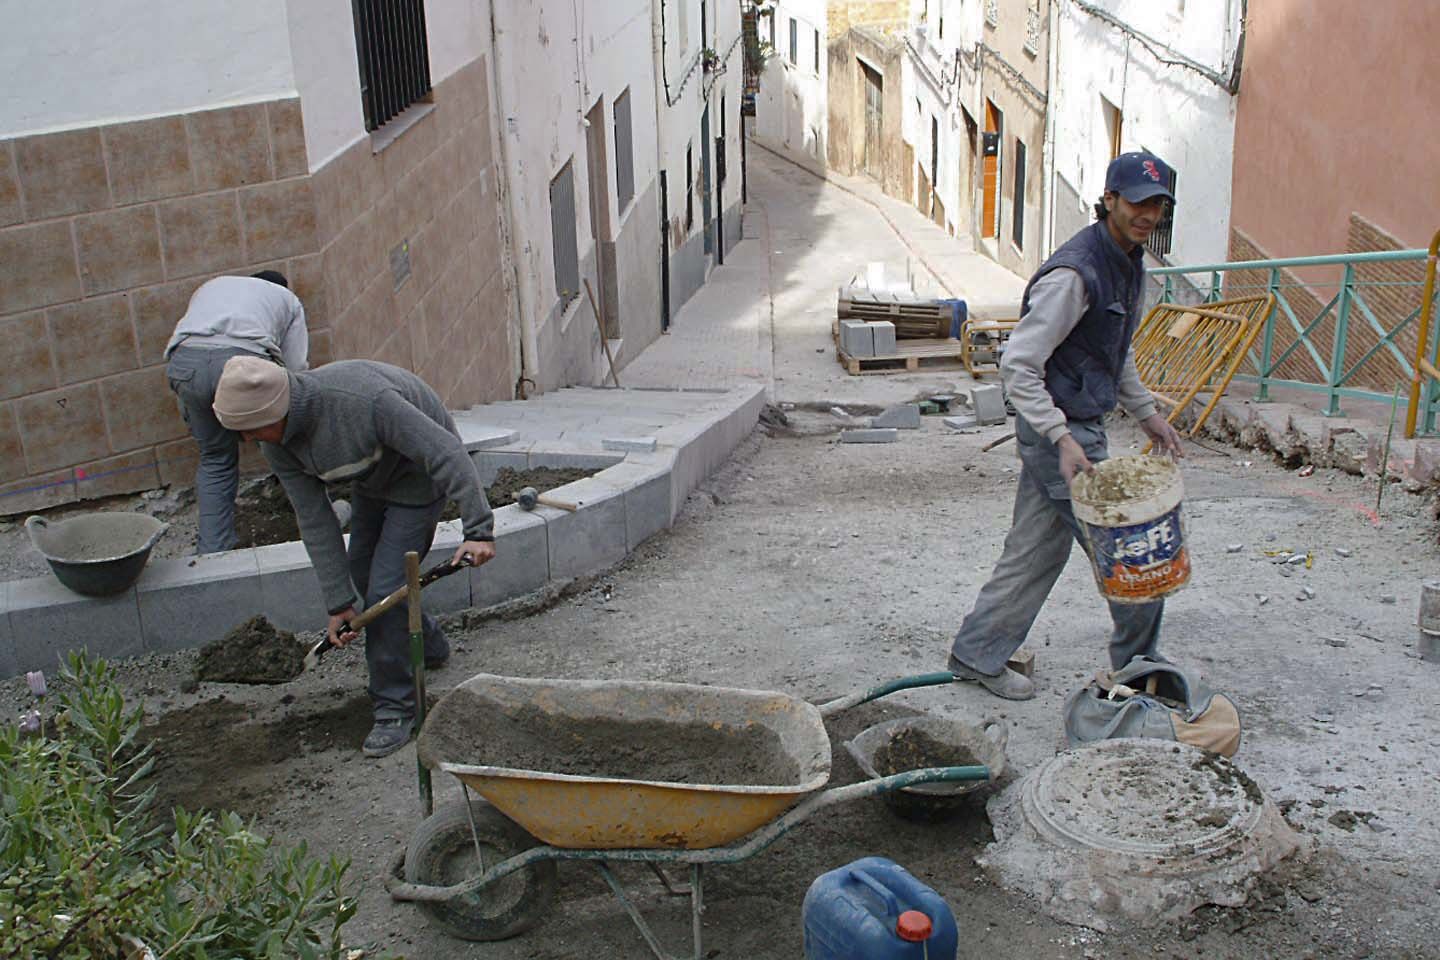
(442, 853)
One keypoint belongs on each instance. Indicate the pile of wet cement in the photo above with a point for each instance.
(254, 652)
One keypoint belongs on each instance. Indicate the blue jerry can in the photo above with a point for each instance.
(855, 913)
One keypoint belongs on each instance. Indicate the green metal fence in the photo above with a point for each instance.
(1344, 326)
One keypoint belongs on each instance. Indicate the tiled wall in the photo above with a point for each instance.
(106, 231)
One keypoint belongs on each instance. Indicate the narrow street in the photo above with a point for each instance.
(817, 568)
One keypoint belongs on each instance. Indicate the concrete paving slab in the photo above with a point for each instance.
(9, 665)
(884, 334)
(646, 488)
(988, 402)
(186, 603)
(591, 538)
(522, 559)
(479, 436)
(870, 435)
(641, 444)
(49, 620)
(290, 596)
(905, 416)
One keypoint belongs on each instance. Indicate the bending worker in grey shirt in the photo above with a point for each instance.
(1067, 364)
(228, 317)
(386, 432)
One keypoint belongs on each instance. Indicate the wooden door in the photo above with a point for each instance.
(990, 171)
(874, 121)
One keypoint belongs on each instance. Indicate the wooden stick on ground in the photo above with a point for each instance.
(604, 341)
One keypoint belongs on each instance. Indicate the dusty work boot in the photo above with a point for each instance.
(1007, 683)
(388, 735)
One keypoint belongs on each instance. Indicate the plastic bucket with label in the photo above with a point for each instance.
(1129, 511)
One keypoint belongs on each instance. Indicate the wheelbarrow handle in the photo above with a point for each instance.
(832, 707)
(377, 610)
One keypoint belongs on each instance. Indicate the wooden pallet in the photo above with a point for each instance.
(910, 356)
(912, 319)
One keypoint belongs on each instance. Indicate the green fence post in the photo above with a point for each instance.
(1342, 333)
(1215, 296)
(1267, 340)
(1168, 294)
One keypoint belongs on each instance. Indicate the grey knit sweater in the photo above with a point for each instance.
(384, 430)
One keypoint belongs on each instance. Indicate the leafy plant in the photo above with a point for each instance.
(86, 870)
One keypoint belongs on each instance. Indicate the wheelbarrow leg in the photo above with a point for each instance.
(671, 887)
(696, 909)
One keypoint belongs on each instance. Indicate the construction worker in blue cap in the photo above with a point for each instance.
(1067, 364)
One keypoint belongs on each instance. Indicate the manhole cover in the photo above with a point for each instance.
(1146, 829)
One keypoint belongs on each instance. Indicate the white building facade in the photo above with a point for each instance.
(1156, 76)
(790, 111)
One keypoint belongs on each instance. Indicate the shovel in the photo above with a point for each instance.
(373, 612)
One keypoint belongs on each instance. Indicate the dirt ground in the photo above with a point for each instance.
(818, 568)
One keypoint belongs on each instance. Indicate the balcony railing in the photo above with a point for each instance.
(1353, 325)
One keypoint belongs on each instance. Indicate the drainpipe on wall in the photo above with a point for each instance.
(657, 44)
(529, 345)
(1047, 159)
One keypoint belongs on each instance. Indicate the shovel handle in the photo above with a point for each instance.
(375, 611)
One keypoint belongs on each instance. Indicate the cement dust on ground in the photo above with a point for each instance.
(817, 568)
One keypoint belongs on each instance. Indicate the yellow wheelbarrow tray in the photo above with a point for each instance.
(529, 819)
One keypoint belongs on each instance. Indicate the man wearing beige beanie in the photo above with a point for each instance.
(386, 432)
(228, 317)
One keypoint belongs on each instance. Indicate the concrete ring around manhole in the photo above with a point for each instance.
(1148, 830)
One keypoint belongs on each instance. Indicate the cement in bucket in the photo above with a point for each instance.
(1130, 516)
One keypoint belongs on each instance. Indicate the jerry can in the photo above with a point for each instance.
(873, 909)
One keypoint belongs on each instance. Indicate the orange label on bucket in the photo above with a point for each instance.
(1141, 561)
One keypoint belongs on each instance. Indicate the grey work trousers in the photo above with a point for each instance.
(1036, 549)
(193, 373)
(381, 534)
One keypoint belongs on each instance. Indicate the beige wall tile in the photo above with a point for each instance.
(62, 173)
(307, 281)
(37, 493)
(176, 461)
(140, 409)
(10, 208)
(92, 338)
(201, 235)
(279, 219)
(119, 249)
(148, 160)
(126, 473)
(396, 350)
(414, 145)
(39, 266)
(12, 457)
(229, 147)
(322, 347)
(25, 362)
(355, 257)
(287, 137)
(345, 188)
(61, 427)
(155, 312)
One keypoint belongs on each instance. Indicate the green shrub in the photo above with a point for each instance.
(85, 867)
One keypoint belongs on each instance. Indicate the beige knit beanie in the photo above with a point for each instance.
(252, 393)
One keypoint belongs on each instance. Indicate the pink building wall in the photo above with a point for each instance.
(1337, 115)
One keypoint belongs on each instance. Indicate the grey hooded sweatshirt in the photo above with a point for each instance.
(388, 433)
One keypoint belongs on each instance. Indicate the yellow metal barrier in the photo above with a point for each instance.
(1182, 352)
(1423, 366)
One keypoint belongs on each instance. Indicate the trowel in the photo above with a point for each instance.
(375, 611)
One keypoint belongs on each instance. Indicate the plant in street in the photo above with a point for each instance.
(87, 872)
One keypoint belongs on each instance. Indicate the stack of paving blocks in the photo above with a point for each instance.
(874, 338)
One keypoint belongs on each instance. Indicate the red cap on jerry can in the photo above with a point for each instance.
(913, 926)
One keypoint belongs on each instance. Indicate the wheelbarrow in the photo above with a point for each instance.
(485, 868)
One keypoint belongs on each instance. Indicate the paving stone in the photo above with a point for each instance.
(290, 596)
(560, 460)
(522, 559)
(49, 620)
(961, 423)
(189, 602)
(883, 332)
(646, 489)
(870, 435)
(591, 538)
(641, 444)
(1022, 662)
(857, 338)
(484, 436)
(905, 416)
(988, 404)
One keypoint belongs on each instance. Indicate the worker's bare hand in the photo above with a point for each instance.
(474, 552)
(1166, 437)
(339, 627)
(1073, 461)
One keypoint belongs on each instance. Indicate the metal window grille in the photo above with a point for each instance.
(394, 56)
(1018, 205)
(562, 234)
(794, 42)
(1159, 242)
(624, 152)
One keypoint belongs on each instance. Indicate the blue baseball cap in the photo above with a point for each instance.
(1139, 176)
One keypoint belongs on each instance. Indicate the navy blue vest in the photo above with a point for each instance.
(1083, 373)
